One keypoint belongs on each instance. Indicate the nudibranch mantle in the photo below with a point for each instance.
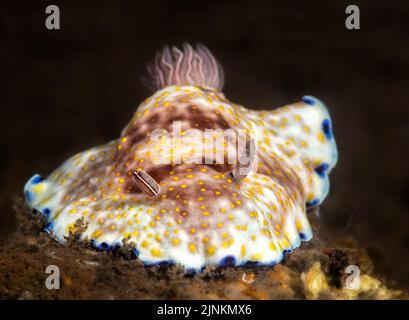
(201, 216)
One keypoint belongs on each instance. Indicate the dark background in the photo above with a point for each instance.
(63, 91)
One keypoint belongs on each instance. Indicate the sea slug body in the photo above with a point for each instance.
(156, 187)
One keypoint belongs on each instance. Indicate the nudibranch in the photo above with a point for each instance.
(173, 196)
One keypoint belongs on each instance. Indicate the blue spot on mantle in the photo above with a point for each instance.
(37, 179)
(48, 227)
(313, 203)
(227, 261)
(100, 246)
(326, 128)
(308, 100)
(259, 264)
(103, 246)
(135, 252)
(29, 196)
(321, 169)
(193, 271)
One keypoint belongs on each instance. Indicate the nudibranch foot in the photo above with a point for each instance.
(167, 188)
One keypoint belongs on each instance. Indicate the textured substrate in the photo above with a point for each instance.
(314, 271)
